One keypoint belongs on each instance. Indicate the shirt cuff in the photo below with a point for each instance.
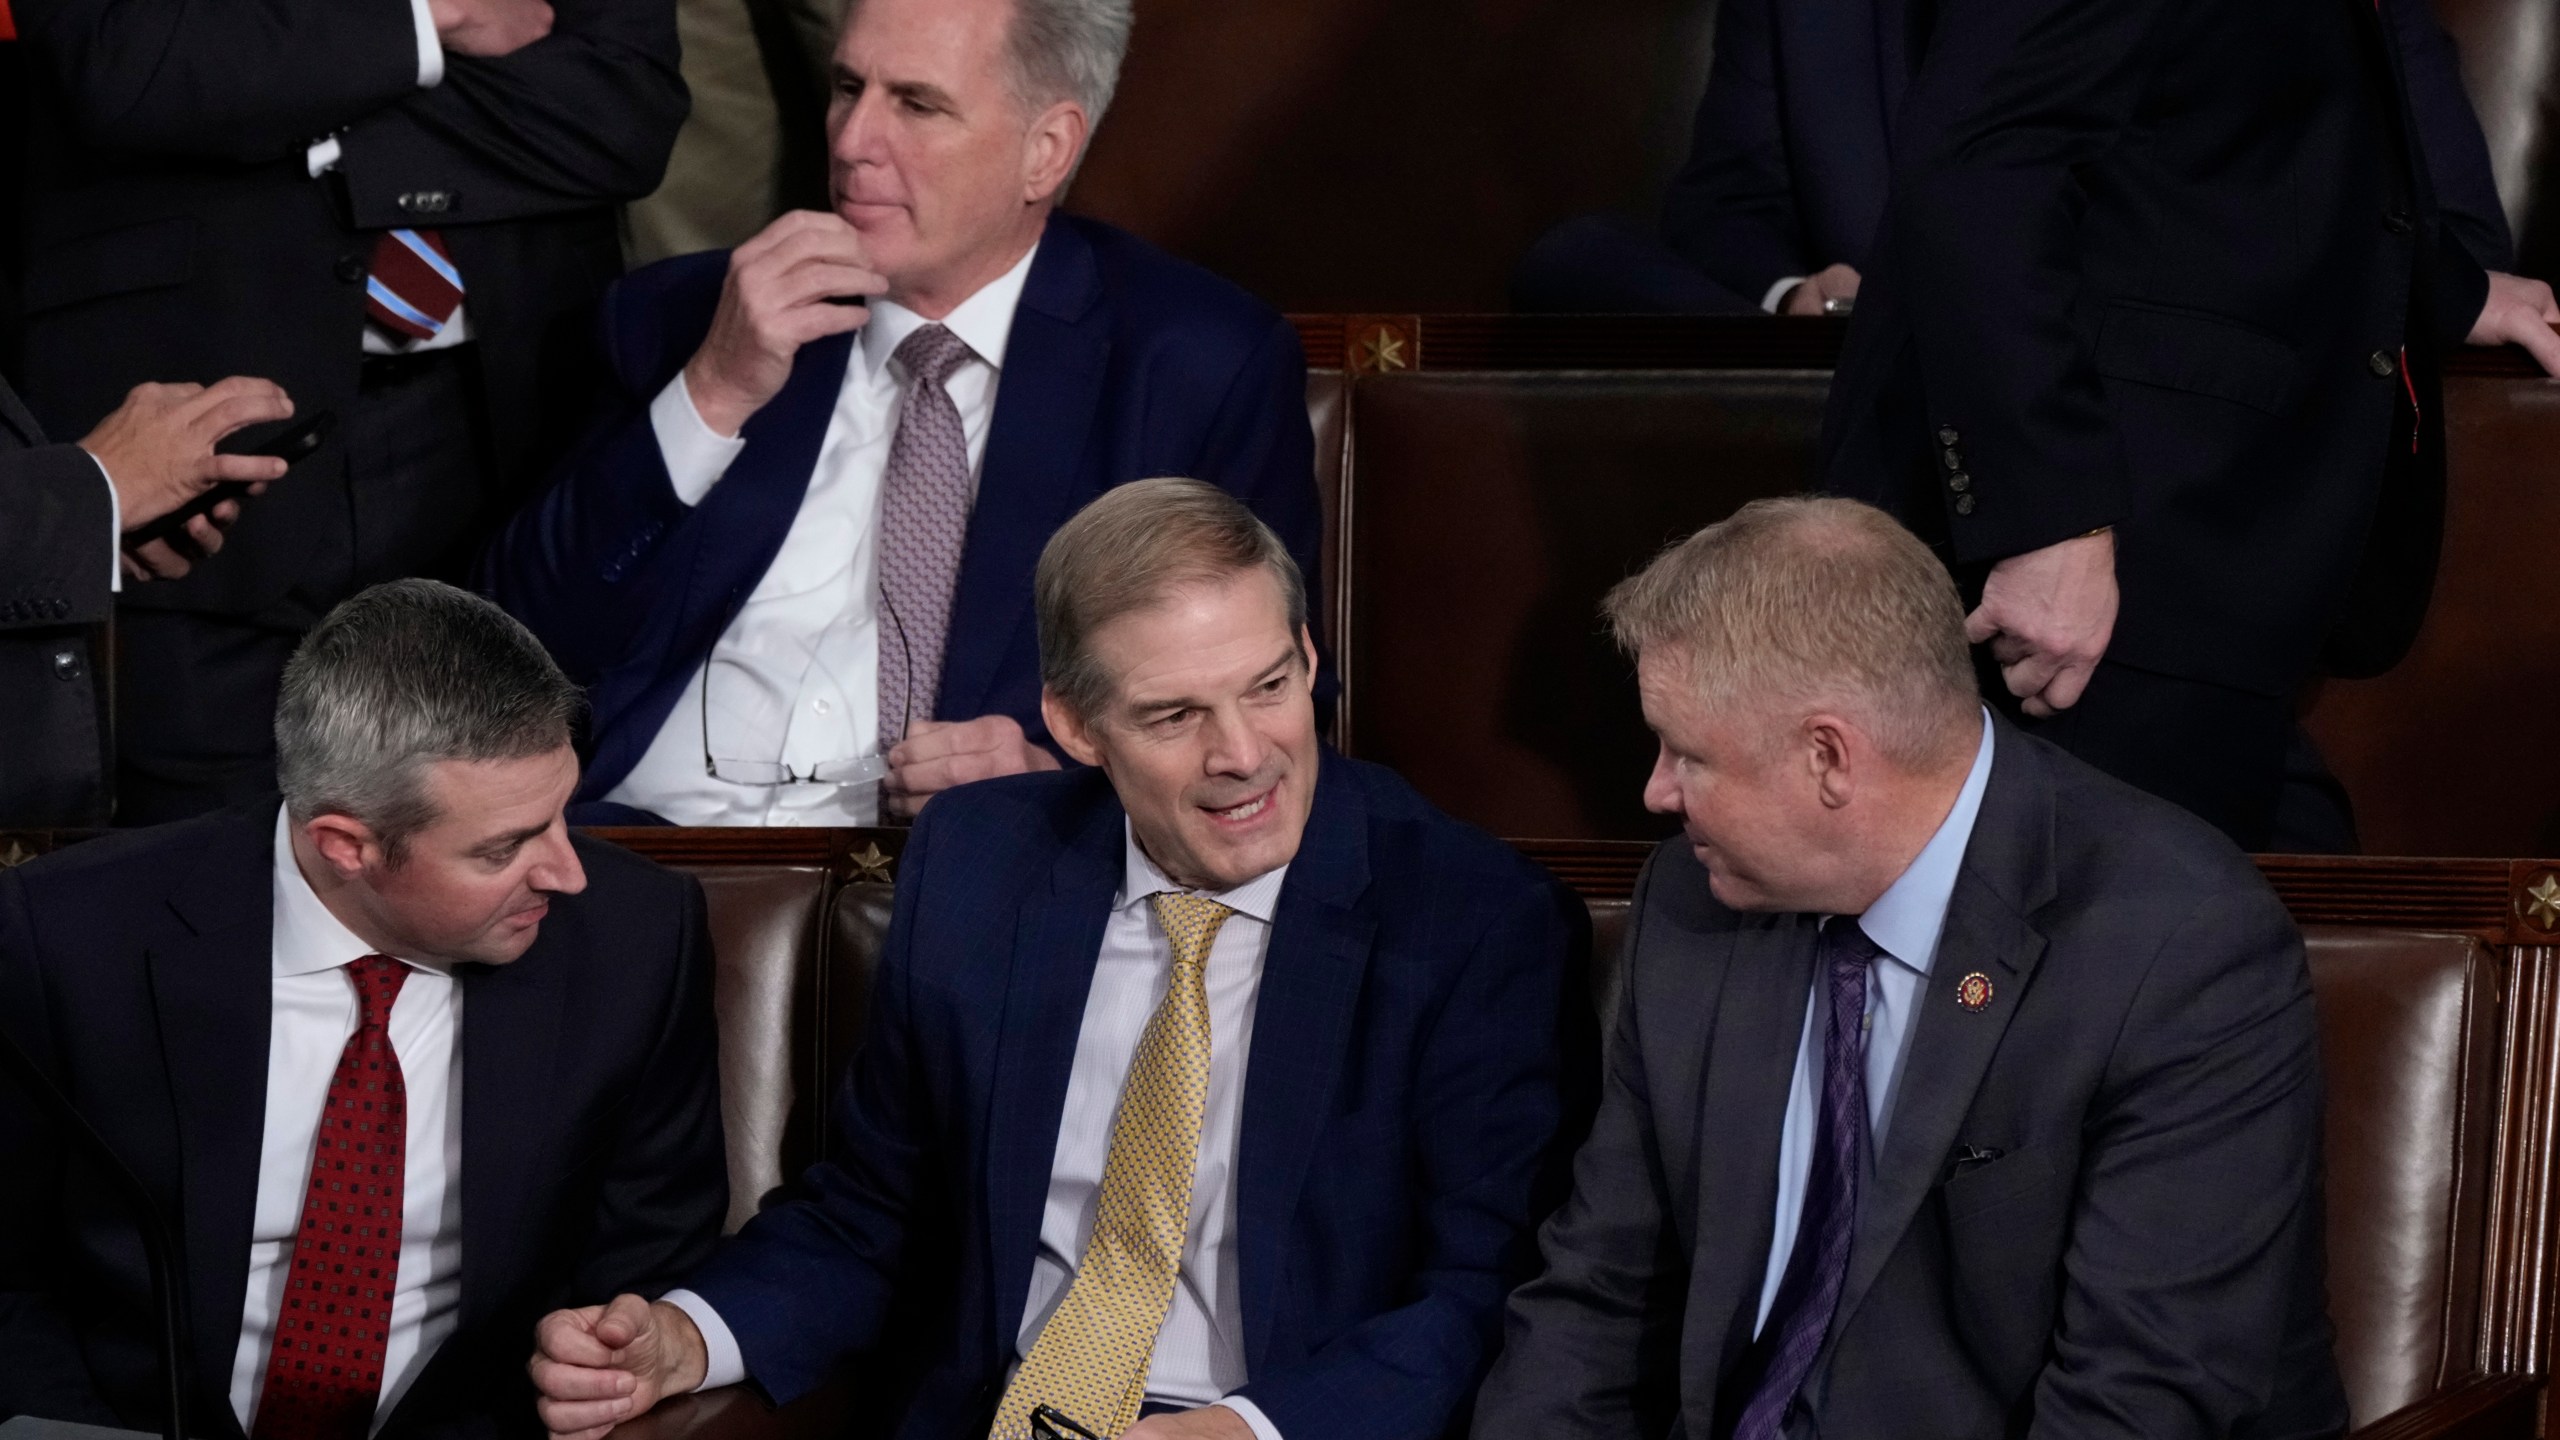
(430, 45)
(725, 1366)
(322, 157)
(1778, 292)
(1263, 1429)
(115, 529)
(696, 455)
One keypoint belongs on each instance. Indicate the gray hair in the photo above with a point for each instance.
(1812, 603)
(1068, 50)
(1129, 551)
(404, 674)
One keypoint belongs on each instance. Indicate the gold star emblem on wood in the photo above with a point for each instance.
(871, 863)
(2541, 901)
(16, 855)
(1382, 349)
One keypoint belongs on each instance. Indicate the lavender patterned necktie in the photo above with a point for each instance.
(924, 515)
(1810, 1290)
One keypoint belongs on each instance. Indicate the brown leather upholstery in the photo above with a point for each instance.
(857, 927)
(765, 935)
(2408, 1041)
(1489, 513)
(1329, 415)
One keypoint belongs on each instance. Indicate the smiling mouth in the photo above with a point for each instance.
(1249, 810)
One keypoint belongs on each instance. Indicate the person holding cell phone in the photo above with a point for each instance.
(79, 521)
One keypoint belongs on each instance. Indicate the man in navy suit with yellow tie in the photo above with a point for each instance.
(794, 570)
(1210, 1091)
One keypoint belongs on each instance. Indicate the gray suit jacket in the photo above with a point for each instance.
(55, 554)
(2095, 1211)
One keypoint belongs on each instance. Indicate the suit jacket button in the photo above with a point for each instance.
(1959, 482)
(1964, 504)
(351, 269)
(66, 665)
(2381, 363)
(61, 609)
(427, 202)
(1947, 435)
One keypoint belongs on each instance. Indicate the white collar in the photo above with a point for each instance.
(984, 321)
(309, 937)
(1258, 897)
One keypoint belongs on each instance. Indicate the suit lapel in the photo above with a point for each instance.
(211, 994)
(1057, 938)
(15, 419)
(1321, 934)
(1742, 1111)
(1028, 483)
(2007, 875)
(511, 1018)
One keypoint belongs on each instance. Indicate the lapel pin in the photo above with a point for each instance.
(1973, 992)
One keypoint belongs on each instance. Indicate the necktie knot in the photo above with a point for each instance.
(1191, 922)
(931, 354)
(378, 980)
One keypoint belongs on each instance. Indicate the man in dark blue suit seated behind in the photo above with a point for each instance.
(794, 566)
(1209, 1092)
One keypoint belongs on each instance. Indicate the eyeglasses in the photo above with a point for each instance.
(851, 770)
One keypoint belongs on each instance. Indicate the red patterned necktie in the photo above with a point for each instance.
(414, 289)
(325, 1371)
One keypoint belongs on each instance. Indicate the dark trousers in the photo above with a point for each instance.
(196, 692)
(2233, 757)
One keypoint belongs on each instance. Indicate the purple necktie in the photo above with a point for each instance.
(1810, 1291)
(924, 516)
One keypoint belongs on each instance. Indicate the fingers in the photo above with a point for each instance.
(240, 400)
(581, 1385)
(2535, 334)
(569, 1336)
(207, 535)
(2031, 673)
(161, 560)
(1979, 626)
(2067, 685)
(928, 740)
(960, 768)
(257, 468)
(624, 1322)
(133, 570)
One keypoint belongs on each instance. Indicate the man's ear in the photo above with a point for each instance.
(1831, 753)
(1050, 148)
(1068, 728)
(1307, 647)
(346, 844)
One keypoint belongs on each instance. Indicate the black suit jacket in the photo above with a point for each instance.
(2151, 264)
(2139, 1257)
(135, 968)
(57, 548)
(173, 231)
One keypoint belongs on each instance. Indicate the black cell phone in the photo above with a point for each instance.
(295, 443)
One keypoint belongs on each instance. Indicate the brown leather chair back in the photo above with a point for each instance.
(1329, 415)
(765, 936)
(1487, 514)
(856, 931)
(2408, 1043)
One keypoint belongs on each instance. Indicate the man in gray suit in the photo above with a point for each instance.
(1956, 1089)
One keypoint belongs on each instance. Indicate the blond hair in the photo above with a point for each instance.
(1129, 551)
(1811, 603)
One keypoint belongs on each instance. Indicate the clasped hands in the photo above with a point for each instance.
(595, 1367)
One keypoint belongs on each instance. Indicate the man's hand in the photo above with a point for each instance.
(775, 301)
(157, 450)
(2520, 312)
(599, 1366)
(938, 754)
(489, 28)
(1836, 282)
(1209, 1422)
(2048, 615)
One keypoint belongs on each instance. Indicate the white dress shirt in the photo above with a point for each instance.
(315, 1012)
(1199, 1354)
(324, 154)
(1904, 923)
(796, 676)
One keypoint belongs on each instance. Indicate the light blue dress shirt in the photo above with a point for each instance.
(1904, 923)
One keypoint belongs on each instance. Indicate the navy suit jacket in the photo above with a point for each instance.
(1123, 364)
(1411, 1097)
(136, 969)
(1790, 155)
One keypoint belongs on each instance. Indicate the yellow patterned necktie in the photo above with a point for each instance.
(1092, 1357)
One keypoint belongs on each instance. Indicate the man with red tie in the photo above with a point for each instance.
(399, 211)
(402, 1062)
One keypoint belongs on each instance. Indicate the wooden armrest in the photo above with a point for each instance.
(2481, 1407)
(739, 1412)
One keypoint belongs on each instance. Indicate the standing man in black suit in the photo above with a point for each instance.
(1957, 1089)
(2148, 349)
(412, 939)
(63, 509)
(398, 210)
